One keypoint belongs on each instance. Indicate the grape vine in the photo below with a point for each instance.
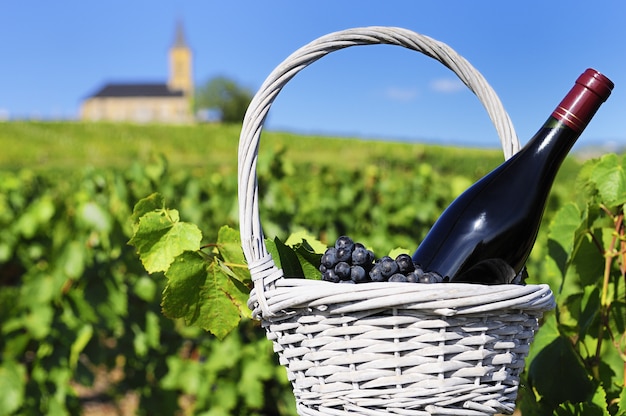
(77, 302)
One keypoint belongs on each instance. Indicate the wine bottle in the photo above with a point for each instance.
(487, 233)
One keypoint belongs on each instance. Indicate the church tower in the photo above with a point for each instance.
(181, 77)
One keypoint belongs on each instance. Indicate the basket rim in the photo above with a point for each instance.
(291, 295)
(265, 274)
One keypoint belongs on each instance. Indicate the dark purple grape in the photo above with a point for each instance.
(358, 274)
(330, 276)
(388, 266)
(344, 254)
(371, 256)
(428, 278)
(405, 263)
(412, 277)
(342, 270)
(329, 259)
(437, 276)
(351, 262)
(344, 242)
(360, 255)
(376, 274)
(398, 277)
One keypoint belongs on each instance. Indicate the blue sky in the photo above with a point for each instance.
(56, 53)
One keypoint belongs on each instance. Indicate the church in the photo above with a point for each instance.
(169, 102)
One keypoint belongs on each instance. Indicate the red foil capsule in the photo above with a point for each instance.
(578, 107)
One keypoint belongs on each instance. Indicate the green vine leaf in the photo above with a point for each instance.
(309, 251)
(152, 202)
(203, 295)
(609, 177)
(566, 225)
(559, 357)
(296, 257)
(229, 248)
(12, 378)
(161, 236)
(208, 290)
(621, 405)
(220, 312)
(285, 258)
(309, 260)
(181, 297)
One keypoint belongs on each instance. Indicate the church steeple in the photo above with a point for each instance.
(179, 39)
(180, 58)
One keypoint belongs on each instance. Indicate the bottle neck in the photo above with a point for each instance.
(549, 147)
(568, 120)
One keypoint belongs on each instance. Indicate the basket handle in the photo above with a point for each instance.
(262, 268)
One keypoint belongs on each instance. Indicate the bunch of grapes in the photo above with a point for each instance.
(350, 262)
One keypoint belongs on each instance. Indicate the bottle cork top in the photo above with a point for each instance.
(581, 103)
(596, 82)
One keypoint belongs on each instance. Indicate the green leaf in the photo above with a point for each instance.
(145, 288)
(588, 261)
(609, 178)
(252, 381)
(309, 251)
(203, 295)
(219, 310)
(160, 237)
(95, 217)
(599, 401)
(300, 261)
(397, 251)
(229, 244)
(12, 386)
(273, 251)
(289, 261)
(157, 166)
(83, 336)
(153, 202)
(621, 405)
(564, 228)
(580, 409)
(546, 334)
(560, 358)
(39, 321)
(186, 276)
(73, 259)
(590, 310)
(309, 260)
(238, 292)
(184, 375)
(617, 324)
(38, 214)
(153, 329)
(303, 236)
(566, 234)
(229, 248)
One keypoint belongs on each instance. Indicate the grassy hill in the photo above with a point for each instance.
(73, 145)
(203, 150)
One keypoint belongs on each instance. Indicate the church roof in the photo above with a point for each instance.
(136, 90)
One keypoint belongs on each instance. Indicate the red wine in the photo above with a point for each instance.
(487, 233)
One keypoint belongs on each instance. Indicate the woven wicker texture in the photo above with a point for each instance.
(387, 348)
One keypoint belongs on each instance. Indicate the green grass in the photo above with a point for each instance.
(207, 148)
(69, 145)
(204, 148)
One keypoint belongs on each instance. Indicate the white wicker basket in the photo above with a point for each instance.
(387, 348)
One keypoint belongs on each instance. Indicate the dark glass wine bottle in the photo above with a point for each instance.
(487, 233)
